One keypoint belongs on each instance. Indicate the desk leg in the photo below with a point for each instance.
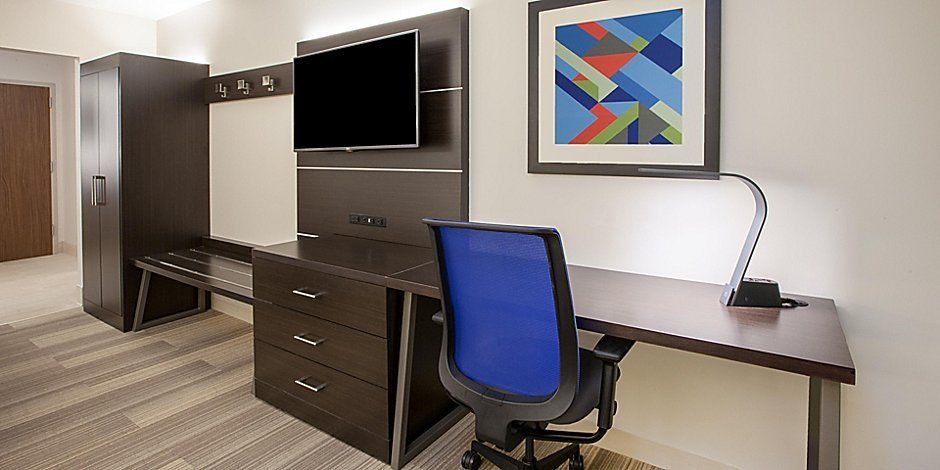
(403, 450)
(403, 387)
(824, 414)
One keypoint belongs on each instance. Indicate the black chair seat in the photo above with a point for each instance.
(589, 389)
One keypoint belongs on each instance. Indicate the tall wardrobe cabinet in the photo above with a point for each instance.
(144, 178)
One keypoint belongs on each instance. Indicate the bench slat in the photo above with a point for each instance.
(211, 271)
(240, 291)
(213, 260)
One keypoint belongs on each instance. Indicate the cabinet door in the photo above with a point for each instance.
(109, 205)
(91, 229)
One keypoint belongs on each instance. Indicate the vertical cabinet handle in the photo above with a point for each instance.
(315, 388)
(98, 190)
(303, 293)
(312, 342)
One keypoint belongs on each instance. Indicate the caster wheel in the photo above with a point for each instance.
(576, 462)
(471, 460)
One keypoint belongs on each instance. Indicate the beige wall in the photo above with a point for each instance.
(59, 74)
(831, 106)
(55, 27)
(62, 28)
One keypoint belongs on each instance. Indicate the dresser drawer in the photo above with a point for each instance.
(352, 303)
(351, 351)
(346, 397)
(351, 434)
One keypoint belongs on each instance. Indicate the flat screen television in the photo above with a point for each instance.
(358, 96)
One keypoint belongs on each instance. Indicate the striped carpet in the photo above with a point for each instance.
(77, 394)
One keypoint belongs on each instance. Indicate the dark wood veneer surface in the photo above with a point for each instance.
(351, 351)
(355, 258)
(335, 426)
(234, 249)
(325, 198)
(227, 287)
(687, 315)
(164, 174)
(353, 303)
(356, 401)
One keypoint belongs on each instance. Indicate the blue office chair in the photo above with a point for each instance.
(510, 350)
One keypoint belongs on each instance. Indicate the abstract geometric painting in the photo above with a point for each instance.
(619, 81)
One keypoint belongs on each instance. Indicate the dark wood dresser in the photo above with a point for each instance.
(327, 338)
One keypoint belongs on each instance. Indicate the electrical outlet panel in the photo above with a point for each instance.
(370, 220)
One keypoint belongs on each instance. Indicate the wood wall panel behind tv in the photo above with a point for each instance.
(330, 185)
(325, 198)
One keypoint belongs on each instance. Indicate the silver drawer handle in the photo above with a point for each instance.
(308, 295)
(315, 388)
(312, 342)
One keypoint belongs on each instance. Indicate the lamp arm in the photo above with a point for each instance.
(760, 216)
(757, 225)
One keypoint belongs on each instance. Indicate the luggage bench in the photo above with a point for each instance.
(219, 266)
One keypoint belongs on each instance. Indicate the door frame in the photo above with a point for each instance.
(53, 157)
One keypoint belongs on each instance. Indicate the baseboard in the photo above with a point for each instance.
(67, 248)
(234, 308)
(653, 453)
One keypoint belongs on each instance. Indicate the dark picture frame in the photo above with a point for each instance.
(712, 118)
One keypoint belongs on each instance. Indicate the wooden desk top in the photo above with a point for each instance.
(687, 315)
(355, 258)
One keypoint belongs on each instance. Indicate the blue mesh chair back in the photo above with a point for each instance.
(500, 299)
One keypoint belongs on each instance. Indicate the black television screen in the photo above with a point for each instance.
(358, 96)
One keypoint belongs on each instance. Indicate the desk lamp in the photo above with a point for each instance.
(742, 291)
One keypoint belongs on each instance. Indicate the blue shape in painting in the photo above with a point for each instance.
(568, 71)
(660, 140)
(655, 80)
(618, 30)
(617, 96)
(650, 25)
(575, 39)
(618, 108)
(645, 77)
(633, 132)
(674, 31)
(570, 117)
(664, 53)
(634, 89)
(574, 91)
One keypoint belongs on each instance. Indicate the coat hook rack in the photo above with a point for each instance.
(221, 90)
(244, 86)
(268, 81)
(261, 82)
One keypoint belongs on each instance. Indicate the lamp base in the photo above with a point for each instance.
(756, 292)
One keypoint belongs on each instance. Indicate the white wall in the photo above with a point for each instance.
(831, 106)
(58, 73)
(63, 28)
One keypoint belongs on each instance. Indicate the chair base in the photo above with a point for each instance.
(473, 458)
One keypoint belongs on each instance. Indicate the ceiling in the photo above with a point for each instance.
(151, 9)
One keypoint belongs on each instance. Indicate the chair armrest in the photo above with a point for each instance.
(612, 349)
(438, 318)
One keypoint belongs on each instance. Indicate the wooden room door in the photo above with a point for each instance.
(25, 172)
